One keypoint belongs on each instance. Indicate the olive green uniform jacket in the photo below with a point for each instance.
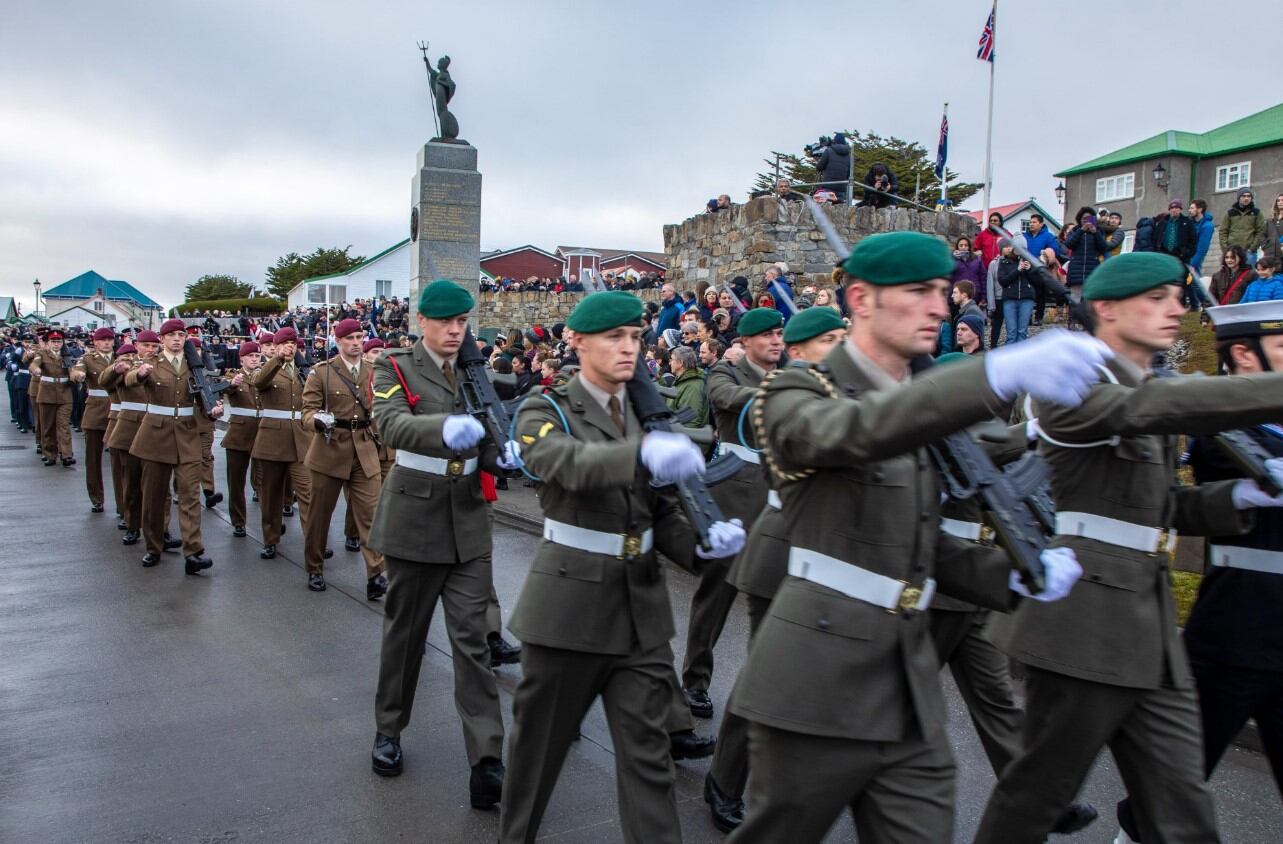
(730, 388)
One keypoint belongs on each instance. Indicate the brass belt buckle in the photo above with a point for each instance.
(1165, 541)
(909, 598)
(632, 546)
(455, 468)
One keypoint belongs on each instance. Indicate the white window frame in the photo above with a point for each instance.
(311, 299)
(337, 294)
(1114, 188)
(1233, 177)
(382, 287)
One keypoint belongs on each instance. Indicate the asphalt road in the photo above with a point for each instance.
(145, 706)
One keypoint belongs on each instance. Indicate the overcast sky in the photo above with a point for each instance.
(156, 142)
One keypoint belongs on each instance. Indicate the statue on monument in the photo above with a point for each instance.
(442, 92)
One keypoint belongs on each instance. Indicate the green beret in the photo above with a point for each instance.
(443, 299)
(1124, 276)
(758, 321)
(812, 322)
(899, 258)
(599, 312)
(950, 357)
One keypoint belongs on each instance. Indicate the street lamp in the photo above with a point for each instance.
(1160, 176)
(1060, 193)
(36, 285)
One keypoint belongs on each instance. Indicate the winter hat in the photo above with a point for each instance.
(974, 322)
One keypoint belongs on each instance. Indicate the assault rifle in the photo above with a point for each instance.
(479, 396)
(1249, 456)
(204, 386)
(696, 500)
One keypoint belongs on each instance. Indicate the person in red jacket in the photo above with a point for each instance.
(987, 242)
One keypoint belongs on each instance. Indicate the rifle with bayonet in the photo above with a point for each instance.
(479, 396)
(1249, 456)
(696, 500)
(204, 387)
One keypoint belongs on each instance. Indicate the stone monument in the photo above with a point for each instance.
(445, 195)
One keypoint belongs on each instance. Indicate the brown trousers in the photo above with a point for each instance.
(129, 499)
(363, 497)
(93, 465)
(207, 461)
(156, 500)
(55, 430)
(277, 476)
(238, 466)
(117, 481)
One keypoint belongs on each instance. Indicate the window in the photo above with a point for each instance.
(1233, 176)
(382, 288)
(1116, 187)
(316, 294)
(1129, 241)
(338, 293)
(98, 305)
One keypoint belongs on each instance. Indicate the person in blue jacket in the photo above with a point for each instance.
(670, 309)
(1268, 285)
(1204, 228)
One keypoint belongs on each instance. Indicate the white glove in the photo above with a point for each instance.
(726, 539)
(1056, 366)
(1247, 494)
(1060, 572)
(1275, 467)
(461, 432)
(671, 457)
(511, 457)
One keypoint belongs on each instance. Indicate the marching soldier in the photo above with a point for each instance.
(205, 426)
(132, 410)
(344, 455)
(1106, 666)
(594, 615)
(54, 399)
(242, 428)
(168, 444)
(33, 388)
(97, 407)
(841, 684)
(433, 527)
(730, 388)
(282, 442)
(757, 572)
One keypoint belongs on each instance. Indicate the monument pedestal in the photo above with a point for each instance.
(445, 220)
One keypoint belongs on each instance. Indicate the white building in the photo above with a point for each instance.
(91, 300)
(386, 274)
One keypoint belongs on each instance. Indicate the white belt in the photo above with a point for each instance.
(1116, 532)
(1252, 559)
(243, 411)
(962, 530)
(139, 406)
(748, 455)
(435, 465)
(99, 394)
(858, 583)
(115, 407)
(773, 500)
(48, 380)
(597, 541)
(162, 410)
(281, 414)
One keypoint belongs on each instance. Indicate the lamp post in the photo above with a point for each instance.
(1160, 176)
(36, 285)
(1060, 193)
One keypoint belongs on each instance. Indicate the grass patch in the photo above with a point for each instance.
(1200, 343)
(1184, 591)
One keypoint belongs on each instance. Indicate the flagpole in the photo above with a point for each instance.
(944, 171)
(989, 133)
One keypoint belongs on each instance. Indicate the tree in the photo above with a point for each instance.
(290, 269)
(216, 287)
(907, 159)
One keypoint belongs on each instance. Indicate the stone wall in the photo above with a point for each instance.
(750, 237)
(521, 310)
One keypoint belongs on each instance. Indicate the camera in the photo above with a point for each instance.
(818, 147)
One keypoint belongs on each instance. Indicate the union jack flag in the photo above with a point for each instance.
(942, 149)
(985, 53)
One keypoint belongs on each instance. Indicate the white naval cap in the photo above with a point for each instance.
(1253, 319)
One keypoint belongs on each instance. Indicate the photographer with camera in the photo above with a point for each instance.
(1088, 246)
(833, 163)
(884, 187)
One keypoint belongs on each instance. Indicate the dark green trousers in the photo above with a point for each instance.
(730, 760)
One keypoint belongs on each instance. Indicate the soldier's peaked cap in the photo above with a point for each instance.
(1254, 319)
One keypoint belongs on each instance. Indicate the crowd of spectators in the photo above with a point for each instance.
(573, 284)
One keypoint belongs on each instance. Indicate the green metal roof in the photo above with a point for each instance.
(356, 267)
(1265, 128)
(85, 285)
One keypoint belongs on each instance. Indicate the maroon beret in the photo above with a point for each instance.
(147, 337)
(169, 326)
(266, 337)
(126, 349)
(104, 334)
(372, 344)
(287, 335)
(249, 347)
(344, 327)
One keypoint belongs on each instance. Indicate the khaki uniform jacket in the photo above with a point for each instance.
(1118, 625)
(241, 430)
(591, 478)
(125, 426)
(166, 438)
(51, 367)
(730, 388)
(422, 516)
(330, 387)
(282, 440)
(94, 417)
(826, 664)
(33, 386)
